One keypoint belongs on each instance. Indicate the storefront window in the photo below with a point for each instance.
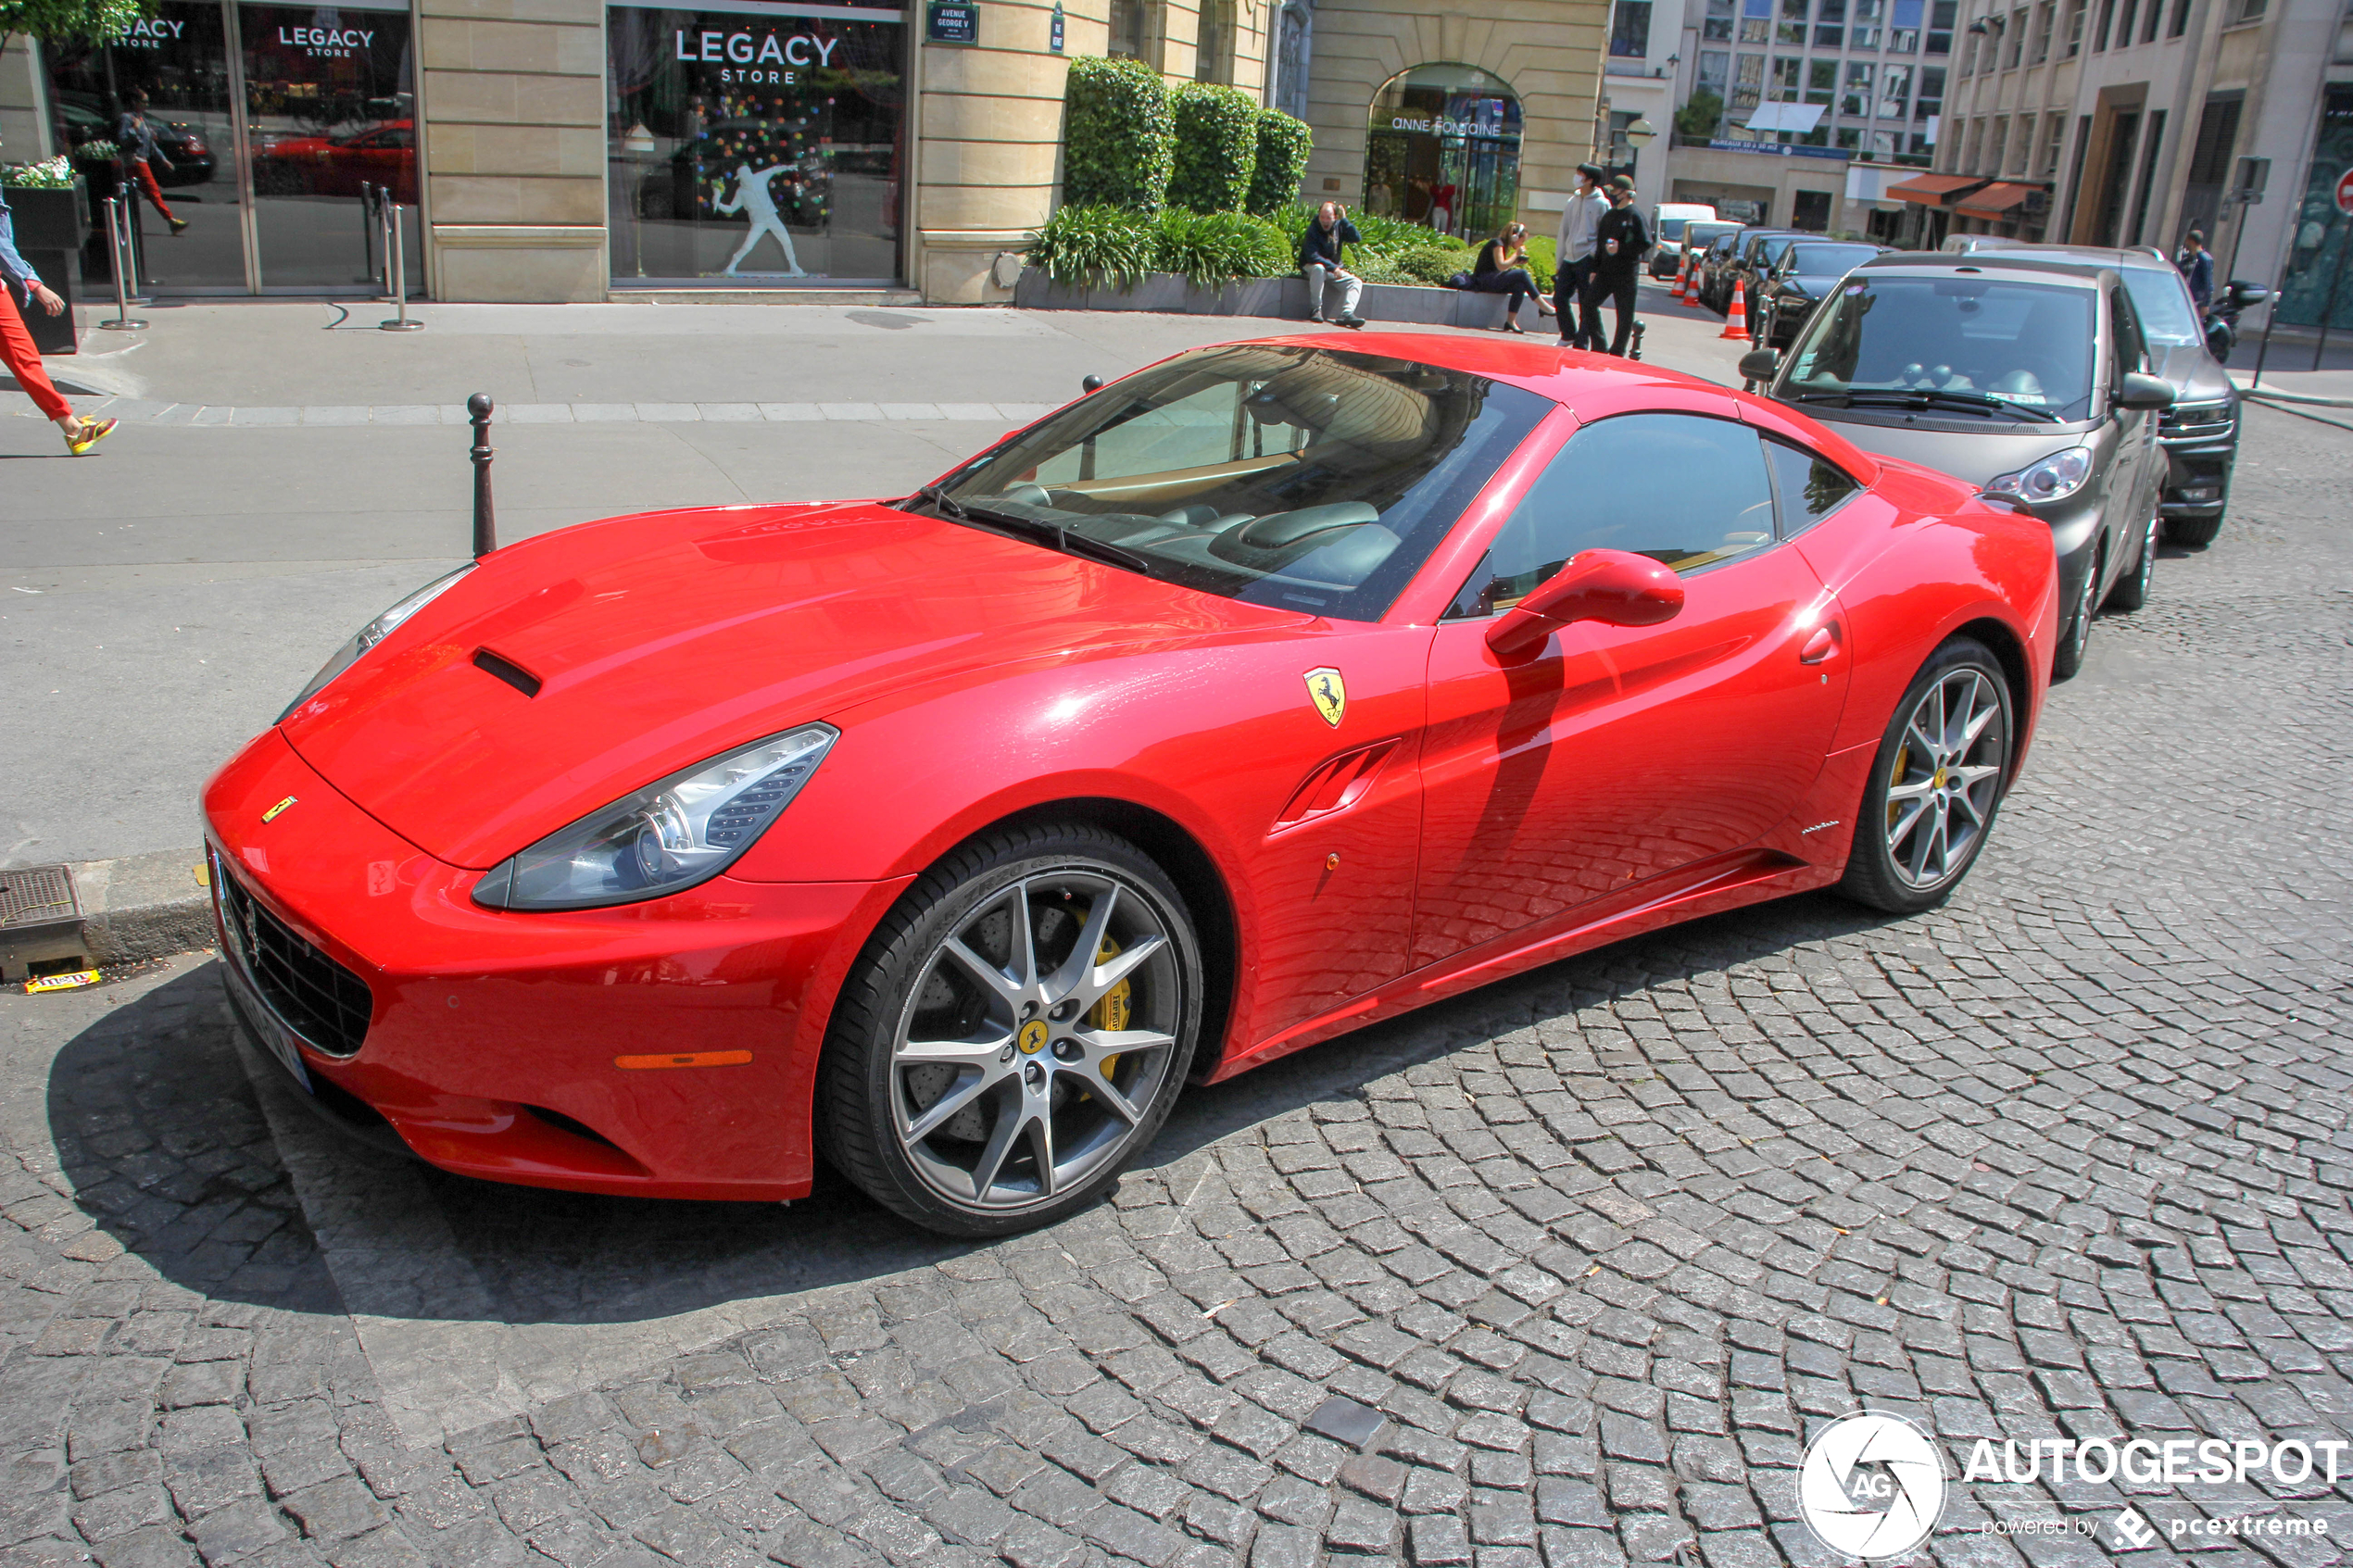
(1444, 149)
(756, 143)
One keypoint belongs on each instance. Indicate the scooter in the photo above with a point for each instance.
(2222, 317)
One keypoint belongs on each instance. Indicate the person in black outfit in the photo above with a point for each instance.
(1319, 264)
(1502, 268)
(1618, 260)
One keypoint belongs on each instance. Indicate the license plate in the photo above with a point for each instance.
(264, 1028)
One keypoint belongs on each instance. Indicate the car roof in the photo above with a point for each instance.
(2107, 256)
(1940, 264)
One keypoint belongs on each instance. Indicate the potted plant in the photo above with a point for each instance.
(48, 201)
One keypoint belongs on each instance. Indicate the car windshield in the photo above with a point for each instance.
(1827, 261)
(1671, 228)
(1768, 252)
(1954, 340)
(2162, 302)
(1708, 233)
(1304, 478)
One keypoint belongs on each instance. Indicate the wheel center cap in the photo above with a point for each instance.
(1939, 783)
(1032, 1038)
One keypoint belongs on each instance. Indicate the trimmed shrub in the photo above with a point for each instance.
(1435, 260)
(1212, 248)
(1094, 247)
(1119, 139)
(1216, 147)
(1702, 113)
(1283, 144)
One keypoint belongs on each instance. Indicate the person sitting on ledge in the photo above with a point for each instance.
(1319, 263)
(1502, 268)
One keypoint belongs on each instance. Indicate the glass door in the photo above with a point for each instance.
(330, 100)
(177, 62)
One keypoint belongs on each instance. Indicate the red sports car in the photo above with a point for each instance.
(1276, 688)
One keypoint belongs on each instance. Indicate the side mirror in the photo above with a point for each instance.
(2245, 294)
(1614, 587)
(1759, 365)
(2145, 392)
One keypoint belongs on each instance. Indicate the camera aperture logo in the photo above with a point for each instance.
(1872, 1485)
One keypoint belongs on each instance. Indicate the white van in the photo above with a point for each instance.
(1667, 219)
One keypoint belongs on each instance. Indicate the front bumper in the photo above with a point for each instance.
(2201, 445)
(486, 1041)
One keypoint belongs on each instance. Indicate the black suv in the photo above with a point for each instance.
(2200, 432)
(2018, 375)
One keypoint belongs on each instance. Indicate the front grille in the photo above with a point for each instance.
(318, 999)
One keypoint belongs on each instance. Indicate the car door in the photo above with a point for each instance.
(2132, 493)
(1621, 754)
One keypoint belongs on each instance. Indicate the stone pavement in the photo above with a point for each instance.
(1603, 1244)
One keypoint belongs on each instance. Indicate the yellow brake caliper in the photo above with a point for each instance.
(1895, 776)
(1113, 1011)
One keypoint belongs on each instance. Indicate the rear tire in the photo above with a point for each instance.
(2076, 634)
(982, 1075)
(1936, 784)
(2132, 590)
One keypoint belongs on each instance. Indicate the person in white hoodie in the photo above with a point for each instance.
(1580, 318)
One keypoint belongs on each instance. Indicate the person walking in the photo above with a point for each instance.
(1581, 323)
(1319, 263)
(134, 140)
(2197, 269)
(1502, 268)
(1620, 241)
(16, 350)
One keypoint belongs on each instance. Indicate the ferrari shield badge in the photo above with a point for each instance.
(1330, 694)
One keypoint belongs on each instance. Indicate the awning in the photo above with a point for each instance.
(1798, 118)
(1994, 201)
(1930, 190)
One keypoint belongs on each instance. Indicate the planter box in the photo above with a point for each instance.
(49, 219)
(1284, 299)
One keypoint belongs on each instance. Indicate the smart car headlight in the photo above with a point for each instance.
(375, 631)
(2053, 478)
(669, 836)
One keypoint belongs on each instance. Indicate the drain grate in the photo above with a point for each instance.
(37, 896)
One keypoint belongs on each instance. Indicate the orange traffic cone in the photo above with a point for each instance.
(1736, 323)
(1683, 278)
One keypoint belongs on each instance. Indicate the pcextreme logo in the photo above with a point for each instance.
(1873, 1485)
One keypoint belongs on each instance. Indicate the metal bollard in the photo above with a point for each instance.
(400, 277)
(119, 242)
(387, 231)
(485, 523)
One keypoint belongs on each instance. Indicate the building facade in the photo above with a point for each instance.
(559, 150)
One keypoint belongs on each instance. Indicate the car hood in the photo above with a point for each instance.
(2194, 375)
(661, 640)
(1975, 456)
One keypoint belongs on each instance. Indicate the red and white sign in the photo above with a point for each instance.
(2345, 193)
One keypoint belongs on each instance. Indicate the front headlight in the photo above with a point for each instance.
(375, 631)
(2053, 478)
(665, 837)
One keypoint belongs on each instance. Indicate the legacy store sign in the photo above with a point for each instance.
(731, 49)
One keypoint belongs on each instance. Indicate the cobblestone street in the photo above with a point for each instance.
(1599, 1248)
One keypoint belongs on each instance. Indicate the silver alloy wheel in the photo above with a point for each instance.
(1036, 1037)
(1947, 774)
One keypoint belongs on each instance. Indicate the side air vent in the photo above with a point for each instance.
(1336, 785)
(506, 670)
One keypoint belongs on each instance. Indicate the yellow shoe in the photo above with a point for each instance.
(92, 432)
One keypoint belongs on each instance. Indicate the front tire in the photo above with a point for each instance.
(1015, 1033)
(2132, 590)
(1936, 784)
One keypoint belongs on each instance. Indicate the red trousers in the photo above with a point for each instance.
(147, 179)
(24, 360)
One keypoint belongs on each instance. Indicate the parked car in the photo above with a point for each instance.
(1804, 276)
(2027, 378)
(2200, 432)
(1711, 263)
(1668, 223)
(383, 155)
(1759, 252)
(1697, 237)
(1271, 691)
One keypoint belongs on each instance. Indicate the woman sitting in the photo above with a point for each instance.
(1502, 268)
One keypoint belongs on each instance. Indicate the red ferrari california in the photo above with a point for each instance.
(1280, 687)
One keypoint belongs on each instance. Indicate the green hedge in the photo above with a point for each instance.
(1120, 140)
(1216, 147)
(1283, 144)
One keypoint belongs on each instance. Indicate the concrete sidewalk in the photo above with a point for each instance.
(279, 478)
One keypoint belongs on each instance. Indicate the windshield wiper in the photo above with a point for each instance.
(1037, 530)
(1928, 396)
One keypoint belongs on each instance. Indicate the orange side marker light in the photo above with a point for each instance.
(689, 1059)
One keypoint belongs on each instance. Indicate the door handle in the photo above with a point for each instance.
(1820, 646)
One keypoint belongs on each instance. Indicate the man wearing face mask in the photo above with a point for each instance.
(1573, 255)
(1620, 241)
(17, 350)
